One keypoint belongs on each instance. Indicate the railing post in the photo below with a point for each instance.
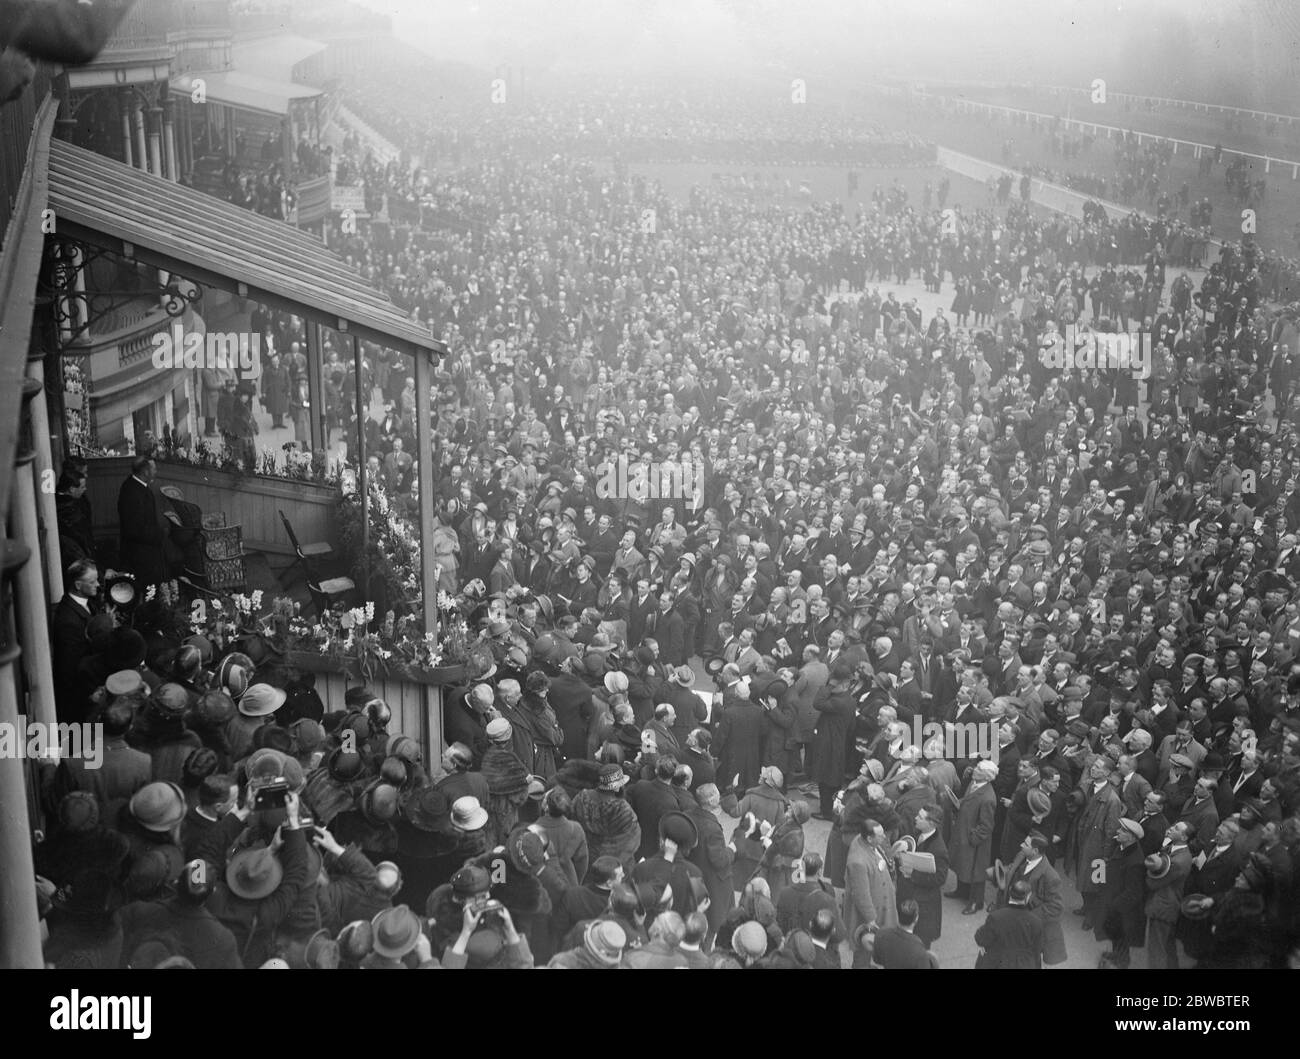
(20, 931)
(32, 608)
(424, 443)
(363, 483)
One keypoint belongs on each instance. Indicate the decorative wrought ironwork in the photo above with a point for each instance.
(78, 307)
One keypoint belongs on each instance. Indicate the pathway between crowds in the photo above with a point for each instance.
(1053, 196)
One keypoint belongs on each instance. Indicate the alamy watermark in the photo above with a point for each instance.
(93, 1012)
(1083, 349)
(639, 480)
(962, 740)
(216, 350)
(40, 741)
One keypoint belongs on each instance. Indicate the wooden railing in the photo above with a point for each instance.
(252, 502)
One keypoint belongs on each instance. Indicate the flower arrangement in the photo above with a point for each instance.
(297, 463)
(391, 563)
(344, 636)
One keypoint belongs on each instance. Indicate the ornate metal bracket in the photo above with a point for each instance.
(77, 307)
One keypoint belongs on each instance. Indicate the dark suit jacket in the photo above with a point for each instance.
(1248, 789)
(898, 950)
(669, 629)
(909, 701)
(1012, 938)
(1002, 681)
(461, 723)
(638, 612)
(69, 646)
(1202, 818)
(650, 799)
(1133, 794)
(143, 532)
(1153, 832)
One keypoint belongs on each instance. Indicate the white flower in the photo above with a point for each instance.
(370, 612)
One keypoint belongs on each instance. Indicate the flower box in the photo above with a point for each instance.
(314, 662)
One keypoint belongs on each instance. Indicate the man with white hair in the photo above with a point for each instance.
(971, 848)
(1145, 763)
(1133, 787)
(886, 659)
(508, 705)
(1246, 780)
(466, 719)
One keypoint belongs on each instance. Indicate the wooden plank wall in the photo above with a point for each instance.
(252, 503)
(417, 708)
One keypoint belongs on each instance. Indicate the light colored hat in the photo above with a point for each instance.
(261, 700)
(124, 682)
(1131, 826)
(158, 806)
(499, 730)
(986, 770)
(1157, 865)
(467, 814)
(750, 940)
(605, 941)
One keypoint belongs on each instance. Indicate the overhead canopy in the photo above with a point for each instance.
(234, 88)
(127, 211)
(274, 57)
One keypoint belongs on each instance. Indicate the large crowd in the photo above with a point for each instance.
(979, 614)
(1132, 169)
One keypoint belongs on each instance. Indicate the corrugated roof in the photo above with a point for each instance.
(202, 238)
(246, 91)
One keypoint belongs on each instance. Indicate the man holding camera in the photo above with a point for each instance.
(261, 885)
(487, 938)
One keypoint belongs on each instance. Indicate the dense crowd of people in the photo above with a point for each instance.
(634, 121)
(977, 613)
(1134, 170)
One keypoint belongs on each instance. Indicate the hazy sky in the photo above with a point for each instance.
(1199, 48)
